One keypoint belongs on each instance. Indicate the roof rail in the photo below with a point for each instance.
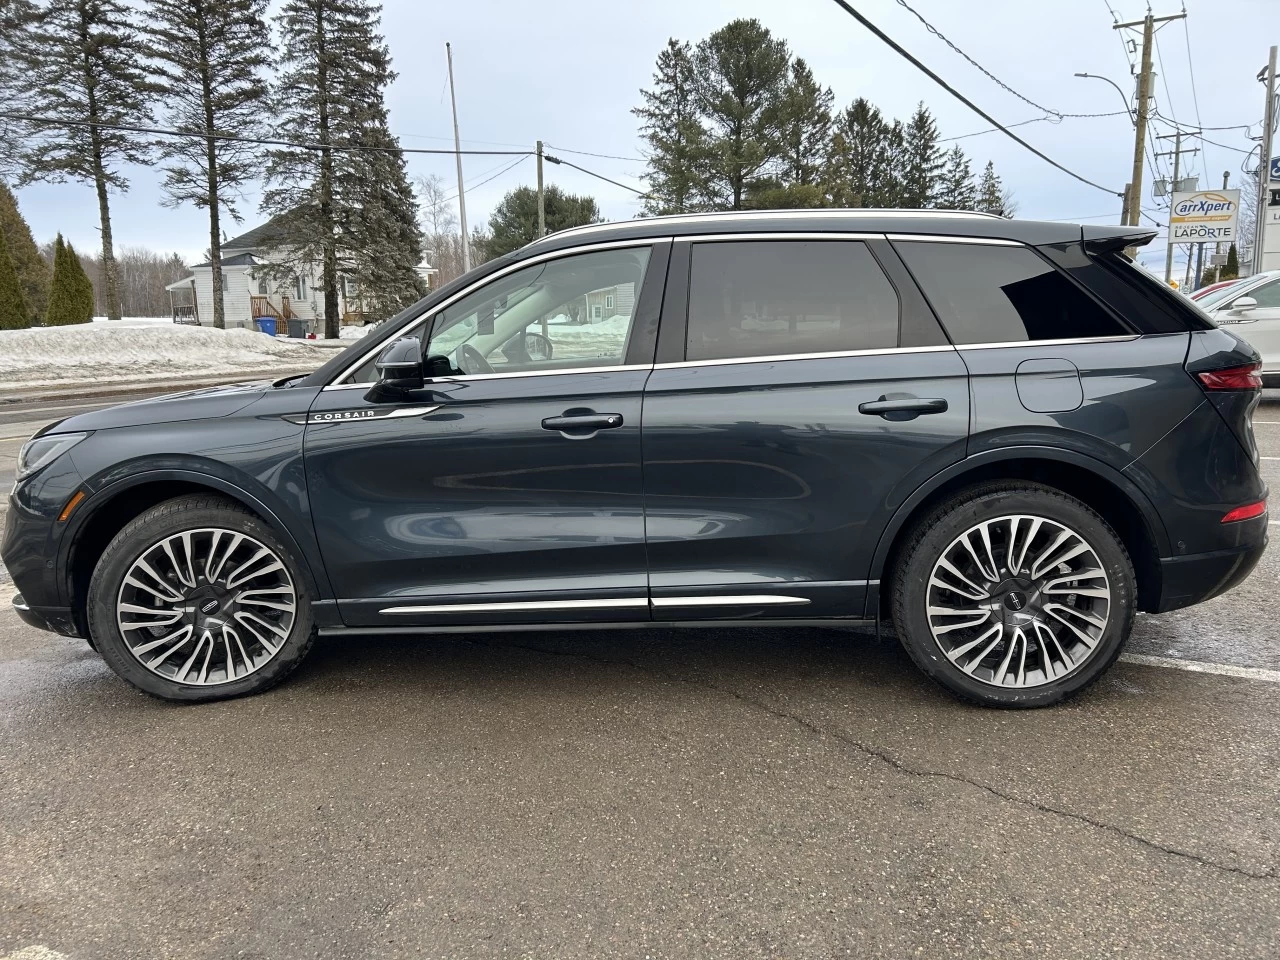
(840, 213)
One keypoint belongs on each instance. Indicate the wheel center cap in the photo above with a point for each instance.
(209, 606)
(1015, 600)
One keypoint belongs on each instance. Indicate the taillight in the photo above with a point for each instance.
(1247, 512)
(1248, 377)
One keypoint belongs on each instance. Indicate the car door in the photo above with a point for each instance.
(508, 490)
(1259, 325)
(803, 391)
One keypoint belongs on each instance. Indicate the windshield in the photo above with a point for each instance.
(1217, 296)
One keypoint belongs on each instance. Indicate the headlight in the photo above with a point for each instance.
(42, 451)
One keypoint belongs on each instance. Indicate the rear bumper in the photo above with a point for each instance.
(54, 619)
(1202, 576)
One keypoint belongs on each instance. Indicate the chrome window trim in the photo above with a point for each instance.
(938, 238)
(466, 291)
(1067, 341)
(511, 376)
(778, 358)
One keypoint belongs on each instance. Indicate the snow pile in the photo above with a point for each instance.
(351, 332)
(134, 321)
(111, 352)
(607, 338)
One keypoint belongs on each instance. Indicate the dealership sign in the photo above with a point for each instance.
(1204, 216)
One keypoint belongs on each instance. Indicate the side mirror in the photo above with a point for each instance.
(1243, 303)
(399, 371)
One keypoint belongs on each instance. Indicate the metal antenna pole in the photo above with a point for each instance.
(457, 146)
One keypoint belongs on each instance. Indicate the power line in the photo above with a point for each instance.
(967, 102)
(1195, 97)
(588, 153)
(937, 33)
(338, 148)
(476, 186)
(1023, 123)
(1195, 132)
(592, 173)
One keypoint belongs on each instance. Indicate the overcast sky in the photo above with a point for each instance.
(569, 72)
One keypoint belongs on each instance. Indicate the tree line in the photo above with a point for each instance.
(736, 122)
(221, 73)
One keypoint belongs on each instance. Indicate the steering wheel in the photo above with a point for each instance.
(472, 361)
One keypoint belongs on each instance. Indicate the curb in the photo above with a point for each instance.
(131, 387)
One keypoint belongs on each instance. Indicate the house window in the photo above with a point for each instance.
(350, 288)
(300, 287)
(608, 301)
(262, 287)
(224, 281)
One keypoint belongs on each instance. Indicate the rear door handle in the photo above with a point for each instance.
(583, 423)
(903, 408)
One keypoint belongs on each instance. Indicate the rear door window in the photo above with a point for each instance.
(756, 298)
(999, 294)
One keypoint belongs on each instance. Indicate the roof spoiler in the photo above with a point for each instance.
(1107, 239)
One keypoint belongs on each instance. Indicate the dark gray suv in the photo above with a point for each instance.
(1001, 435)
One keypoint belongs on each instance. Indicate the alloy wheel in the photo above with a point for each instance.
(1018, 601)
(206, 606)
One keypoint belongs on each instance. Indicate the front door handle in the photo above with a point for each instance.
(903, 408)
(583, 422)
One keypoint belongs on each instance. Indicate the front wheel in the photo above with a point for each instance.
(197, 599)
(1013, 595)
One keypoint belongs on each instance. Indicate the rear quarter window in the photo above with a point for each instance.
(1002, 294)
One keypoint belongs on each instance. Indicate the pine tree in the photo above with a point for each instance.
(864, 149)
(340, 206)
(63, 290)
(806, 127)
(33, 275)
(991, 194)
(922, 161)
(210, 56)
(81, 286)
(677, 142)
(1232, 268)
(956, 187)
(80, 62)
(740, 74)
(14, 314)
(15, 19)
(514, 222)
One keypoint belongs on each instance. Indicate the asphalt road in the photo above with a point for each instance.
(660, 793)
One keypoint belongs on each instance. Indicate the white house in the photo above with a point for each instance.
(247, 294)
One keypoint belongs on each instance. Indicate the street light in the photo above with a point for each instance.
(1128, 109)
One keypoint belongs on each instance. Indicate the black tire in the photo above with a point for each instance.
(926, 542)
(141, 534)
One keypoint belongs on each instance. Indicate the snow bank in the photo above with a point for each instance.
(124, 350)
(606, 338)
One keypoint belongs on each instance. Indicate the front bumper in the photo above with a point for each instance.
(1202, 576)
(55, 619)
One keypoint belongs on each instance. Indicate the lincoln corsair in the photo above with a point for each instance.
(1000, 437)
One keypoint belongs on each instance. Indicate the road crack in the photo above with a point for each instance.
(884, 756)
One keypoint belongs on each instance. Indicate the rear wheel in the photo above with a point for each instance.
(1013, 595)
(197, 599)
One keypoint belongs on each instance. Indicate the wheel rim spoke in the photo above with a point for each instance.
(1018, 601)
(206, 606)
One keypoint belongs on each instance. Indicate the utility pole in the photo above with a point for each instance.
(1267, 76)
(1218, 247)
(1176, 153)
(542, 200)
(457, 155)
(1145, 76)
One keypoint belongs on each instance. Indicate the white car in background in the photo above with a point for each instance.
(1251, 310)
